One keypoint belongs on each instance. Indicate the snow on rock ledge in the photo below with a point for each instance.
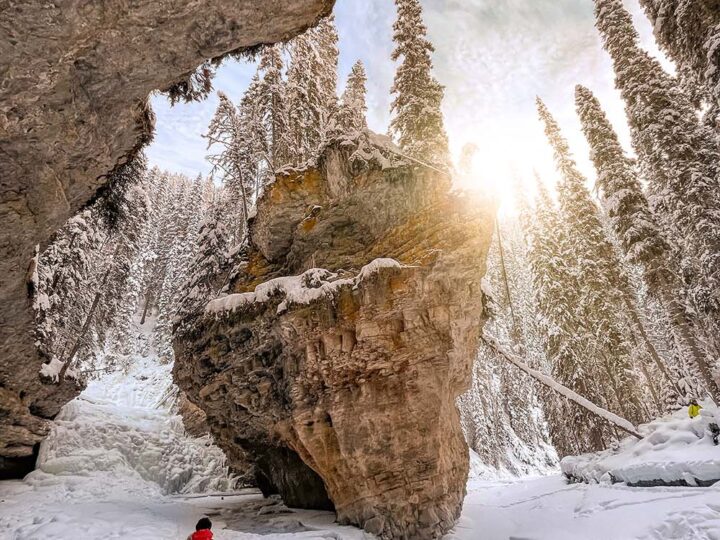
(674, 450)
(335, 364)
(311, 285)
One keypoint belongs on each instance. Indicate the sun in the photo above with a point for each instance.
(489, 174)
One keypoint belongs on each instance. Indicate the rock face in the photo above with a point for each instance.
(74, 80)
(335, 365)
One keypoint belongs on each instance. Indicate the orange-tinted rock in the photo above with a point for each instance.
(352, 369)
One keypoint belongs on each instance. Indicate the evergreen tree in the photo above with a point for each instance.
(272, 112)
(351, 115)
(678, 157)
(634, 224)
(418, 121)
(605, 290)
(689, 32)
(236, 163)
(116, 306)
(183, 220)
(501, 414)
(572, 429)
(208, 266)
(312, 89)
(84, 283)
(62, 298)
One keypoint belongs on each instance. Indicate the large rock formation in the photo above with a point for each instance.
(74, 81)
(353, 325)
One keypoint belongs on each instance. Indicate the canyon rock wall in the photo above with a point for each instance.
(335, 364)
(74, 82)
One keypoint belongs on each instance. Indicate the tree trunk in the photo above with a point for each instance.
(609, 417)
(148, 299)
(640, 328)
(684, 338)
(86, 325)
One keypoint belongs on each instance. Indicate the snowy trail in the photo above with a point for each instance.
(119, 466)
(529, 509)
(548, 509)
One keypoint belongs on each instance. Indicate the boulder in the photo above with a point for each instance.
(351, 329)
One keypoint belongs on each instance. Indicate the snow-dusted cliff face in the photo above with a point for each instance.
(352, 329)
(76, 76)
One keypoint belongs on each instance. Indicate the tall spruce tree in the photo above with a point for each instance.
(208, 265)
(689, 32)
(572, 429)
(312, 89)
(635, 225)
(418, 121)
(606, 293)
(351, 114)
(237, 134)
(272, 111)
(678, 157)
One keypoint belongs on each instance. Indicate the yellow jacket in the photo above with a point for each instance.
(694, 410)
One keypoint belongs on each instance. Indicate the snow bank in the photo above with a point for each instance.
(675, 450)
(305, 288)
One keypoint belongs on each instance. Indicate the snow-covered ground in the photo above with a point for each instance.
(118, 465)
(543, 508)
(548, 508)
(674, 449)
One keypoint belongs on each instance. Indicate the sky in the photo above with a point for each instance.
(492, 56)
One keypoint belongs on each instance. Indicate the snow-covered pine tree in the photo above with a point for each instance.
(185, 219)
(272, 111)
(501, 414)
(417, 122)
(605, 291)
(84, 283)
(573, 430)
(62, 298)
(678, 157)
(236, 164)
(120, 296)
(635, 226)
(208, 264)
(689, 32)
(351, 114)
(312, 89)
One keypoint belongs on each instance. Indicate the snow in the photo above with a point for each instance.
(547, 508)
(675, 448)
(51, 370)
(107, 470)
(305, 288)
(544, 508)
(118, 464)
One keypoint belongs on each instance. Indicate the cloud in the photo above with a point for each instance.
(493, 57)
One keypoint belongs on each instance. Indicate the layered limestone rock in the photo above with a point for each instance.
(352, 327)
(74, 82)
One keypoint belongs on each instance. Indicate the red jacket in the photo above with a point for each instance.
(203, 534)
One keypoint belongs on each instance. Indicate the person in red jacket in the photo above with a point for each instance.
(202, 530)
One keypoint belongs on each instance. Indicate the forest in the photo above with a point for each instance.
(254, 310)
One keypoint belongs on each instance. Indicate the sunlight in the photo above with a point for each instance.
(492, 173)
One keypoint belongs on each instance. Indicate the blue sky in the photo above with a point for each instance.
(493, 56)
